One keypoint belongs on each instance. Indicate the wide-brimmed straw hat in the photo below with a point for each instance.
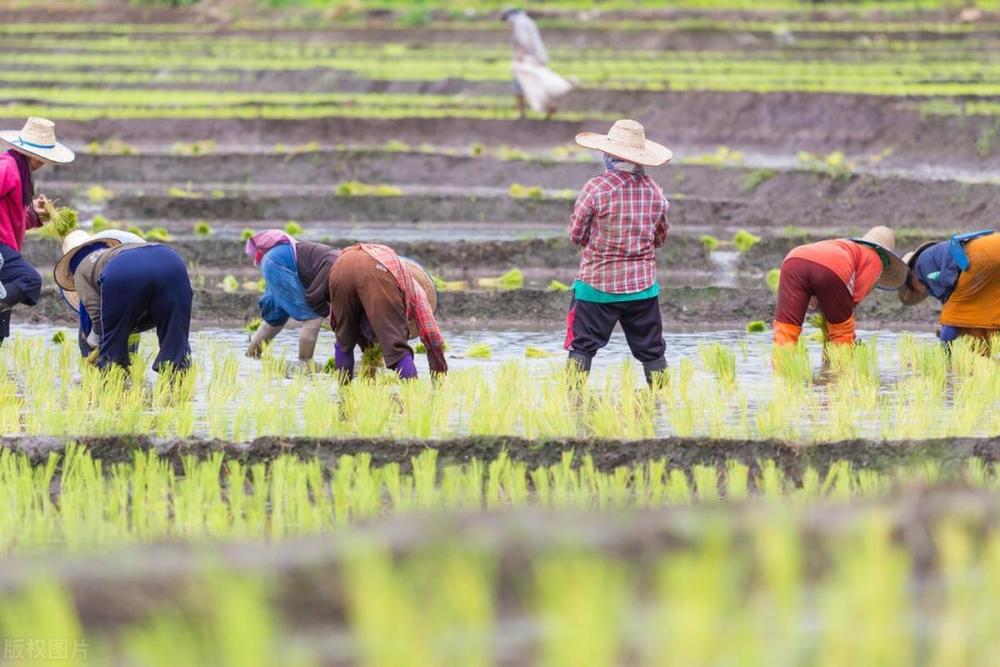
(72, 245)
(907, 295)
(70, 297)
(627, 140)
(894, 269)
(38, 139)
(426, 282)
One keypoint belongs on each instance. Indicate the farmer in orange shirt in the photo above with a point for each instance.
(962, 273)
(837, 275)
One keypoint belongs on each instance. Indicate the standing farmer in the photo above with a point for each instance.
(534, 82)
(838, 274)
(297, 277)
(620, 219)
(396, 296)
(31, 148)
(964, 275)
(127, 287)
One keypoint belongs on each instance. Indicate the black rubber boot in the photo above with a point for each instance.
(652, 369)
(4, 324)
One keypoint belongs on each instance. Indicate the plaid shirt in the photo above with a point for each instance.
(620, 218)
(418, 308)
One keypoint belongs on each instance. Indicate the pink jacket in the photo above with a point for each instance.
(15, 217)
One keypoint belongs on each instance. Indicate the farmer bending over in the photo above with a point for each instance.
(128, 287)
(297, 275)
(620, 218)
(31, 148)
(72, 299)
(837, 275)
(963, 273)
(396, 296)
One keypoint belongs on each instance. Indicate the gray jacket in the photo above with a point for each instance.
(88, 280)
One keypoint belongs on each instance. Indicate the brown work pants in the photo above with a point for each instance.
(361, 287)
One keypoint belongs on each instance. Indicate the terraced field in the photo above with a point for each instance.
(805, 509)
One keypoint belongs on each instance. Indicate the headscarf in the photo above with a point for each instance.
(612, 163)
(285, 293)
(23, 163)
(261, 242)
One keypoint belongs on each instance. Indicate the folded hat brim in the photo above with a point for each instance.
(894, 275)
(651, 154)
(64, 277)
(58, 154)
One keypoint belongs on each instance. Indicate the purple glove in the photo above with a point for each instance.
(344, 360)
(405, 367)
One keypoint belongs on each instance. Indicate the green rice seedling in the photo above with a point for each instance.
(757, 326)
(531, 352)
(358, 189)
(556, 286)
(518, 191)
(59, 337)
(744, 240)
(158, 235)
(100, 223)
(230, 284)
(512, 280)
(754, 179)
(293, 228)
(773, 280)
(61, 221)
(246, 234)
(792, 363)
(183, 193)
(138, 231)
(709, 242)
(203, 229)
(195, 148)
(396, 146)
(720, 361)
(97, 194)
(476, 149)
(581, 601)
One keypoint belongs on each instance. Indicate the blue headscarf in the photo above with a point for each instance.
(937, 270)
(284, 296)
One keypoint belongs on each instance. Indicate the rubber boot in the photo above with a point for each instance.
(785, 333)
(405, 368)
(3, 290)
(345, 364)
(653, 370)
(842, 333)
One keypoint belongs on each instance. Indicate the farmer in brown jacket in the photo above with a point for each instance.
(126, 287)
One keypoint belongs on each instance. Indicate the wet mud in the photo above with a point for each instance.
(950, 454)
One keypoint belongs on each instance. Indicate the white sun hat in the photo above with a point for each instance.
(72, 244)
(70, 297)
(38, 139)
(627, 140)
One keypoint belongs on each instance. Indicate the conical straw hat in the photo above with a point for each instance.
(627, 140)
(70, 297)
(894, 269)
(38, 139)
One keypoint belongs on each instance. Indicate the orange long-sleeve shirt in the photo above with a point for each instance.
(859, 266)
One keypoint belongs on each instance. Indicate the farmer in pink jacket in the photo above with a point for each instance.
(31, 148)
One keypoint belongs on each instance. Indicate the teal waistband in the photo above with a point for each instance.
(585, 292)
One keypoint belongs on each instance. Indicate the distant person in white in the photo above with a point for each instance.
(531, 57)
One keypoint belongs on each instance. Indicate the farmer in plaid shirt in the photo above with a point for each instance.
(620, 218)
(396, 296)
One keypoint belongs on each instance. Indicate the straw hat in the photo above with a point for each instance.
(894, 269)
(70, 297)
(38, 139)
(627, 140)
(907, 295)
(426, 282)
(72, 245)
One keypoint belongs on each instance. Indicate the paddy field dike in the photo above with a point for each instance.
(750, 508)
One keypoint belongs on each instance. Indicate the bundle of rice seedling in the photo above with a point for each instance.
(61, 221)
